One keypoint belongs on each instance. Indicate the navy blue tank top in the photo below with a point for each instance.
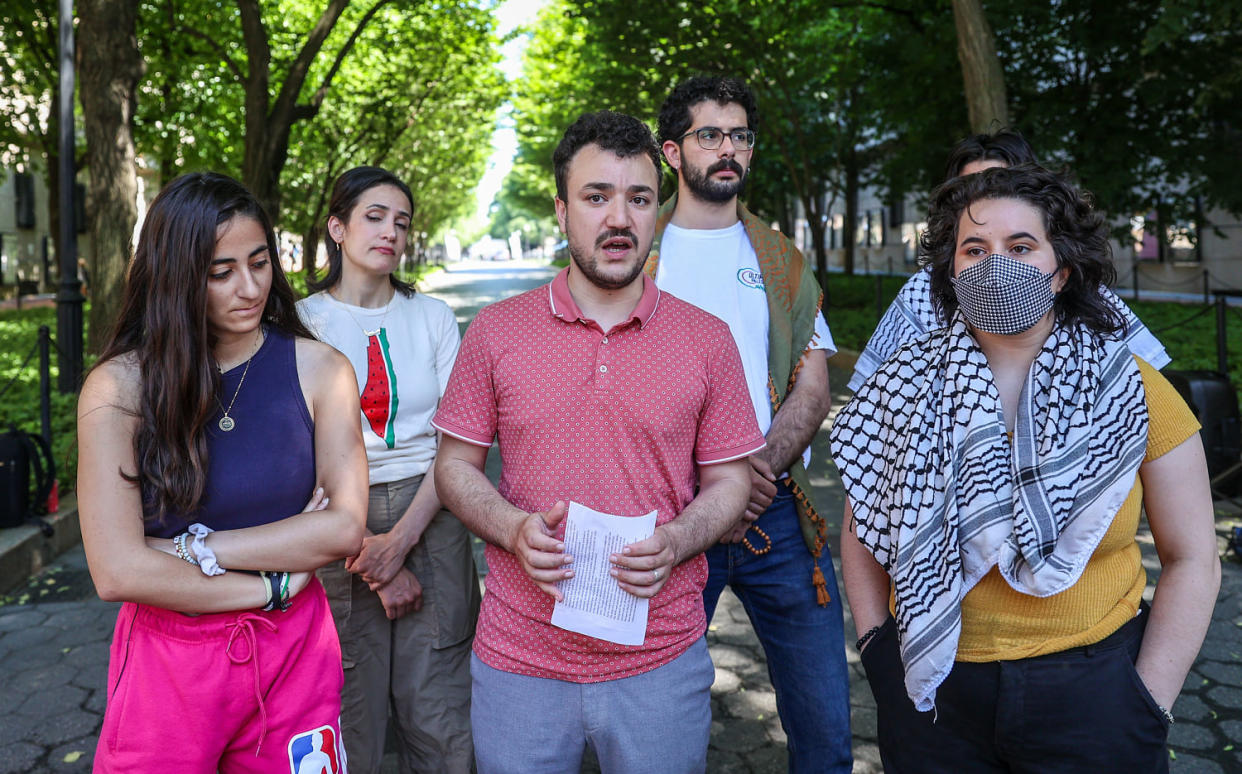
(262, 470)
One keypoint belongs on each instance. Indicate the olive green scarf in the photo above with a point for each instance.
(794, 300)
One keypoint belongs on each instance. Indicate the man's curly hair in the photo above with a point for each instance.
(1076, 230)
(675, 118)
(623, 135)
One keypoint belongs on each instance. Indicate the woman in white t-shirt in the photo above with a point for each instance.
(406, 605)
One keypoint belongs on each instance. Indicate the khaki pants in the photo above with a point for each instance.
(417, 666)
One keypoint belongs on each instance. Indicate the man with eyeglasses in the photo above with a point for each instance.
(711, 251)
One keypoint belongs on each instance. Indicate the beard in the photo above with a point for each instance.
(703, 188)
(588, 263)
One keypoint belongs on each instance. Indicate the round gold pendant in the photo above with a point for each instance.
(226, 423)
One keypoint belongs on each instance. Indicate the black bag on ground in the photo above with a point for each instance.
(1211, 397)
(22, 454)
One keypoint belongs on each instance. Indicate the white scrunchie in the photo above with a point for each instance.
(202, 552)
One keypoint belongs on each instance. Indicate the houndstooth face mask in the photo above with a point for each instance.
(1003, 296)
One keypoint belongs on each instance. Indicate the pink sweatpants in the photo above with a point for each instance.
(232, 692)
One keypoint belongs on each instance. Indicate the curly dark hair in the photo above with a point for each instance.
(1077, 231)
(675, 118)
(623, 135)
(1007, 146)
(163, 323)
(346, 192)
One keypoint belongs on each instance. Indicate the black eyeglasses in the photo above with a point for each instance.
(712, 137)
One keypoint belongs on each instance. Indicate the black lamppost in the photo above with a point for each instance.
(69, 299)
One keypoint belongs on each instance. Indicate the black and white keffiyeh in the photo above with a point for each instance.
(941, 495)
(911, 315)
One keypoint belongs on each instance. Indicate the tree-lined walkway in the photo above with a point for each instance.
(54, 637)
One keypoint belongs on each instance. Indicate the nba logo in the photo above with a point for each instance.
(315, 752)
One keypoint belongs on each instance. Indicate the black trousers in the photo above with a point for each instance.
(1080, 710)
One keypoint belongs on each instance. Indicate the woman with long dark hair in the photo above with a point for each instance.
(219, 466)
(406, 605)
(995, 471)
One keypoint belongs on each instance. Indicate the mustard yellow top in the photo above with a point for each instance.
(1000, 624)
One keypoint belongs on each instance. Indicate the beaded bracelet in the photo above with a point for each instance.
(182, 551)
(1167, 714)
(863, 640)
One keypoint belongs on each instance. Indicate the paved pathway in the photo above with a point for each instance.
(54, 637)
(471, 285)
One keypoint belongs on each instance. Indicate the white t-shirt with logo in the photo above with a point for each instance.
(717, 270)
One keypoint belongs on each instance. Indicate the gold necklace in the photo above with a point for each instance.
(226, 422)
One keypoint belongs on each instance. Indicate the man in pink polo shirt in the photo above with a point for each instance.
(603, 391)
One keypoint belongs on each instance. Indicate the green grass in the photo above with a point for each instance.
(1192, 342)
(850, 306)
(19, 405)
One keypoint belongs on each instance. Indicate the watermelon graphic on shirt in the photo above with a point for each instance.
(379, 396)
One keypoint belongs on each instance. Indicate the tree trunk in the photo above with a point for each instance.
(166, 154)
(849, 232)
(981, 69)
(785, 215)
(256, 165)
(110, 70)
(269, 123)
(813, 206)
(310, 250)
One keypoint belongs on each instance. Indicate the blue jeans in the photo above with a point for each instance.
(804, 642)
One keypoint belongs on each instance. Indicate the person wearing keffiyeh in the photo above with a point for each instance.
(995, 470)
(912, 312)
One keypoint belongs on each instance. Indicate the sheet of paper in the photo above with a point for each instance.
(594, 604)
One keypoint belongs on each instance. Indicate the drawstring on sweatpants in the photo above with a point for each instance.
(244, 625)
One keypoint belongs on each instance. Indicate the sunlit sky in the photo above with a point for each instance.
(509, 15)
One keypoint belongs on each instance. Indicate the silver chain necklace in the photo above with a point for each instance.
(383, 317)
(226, 422)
